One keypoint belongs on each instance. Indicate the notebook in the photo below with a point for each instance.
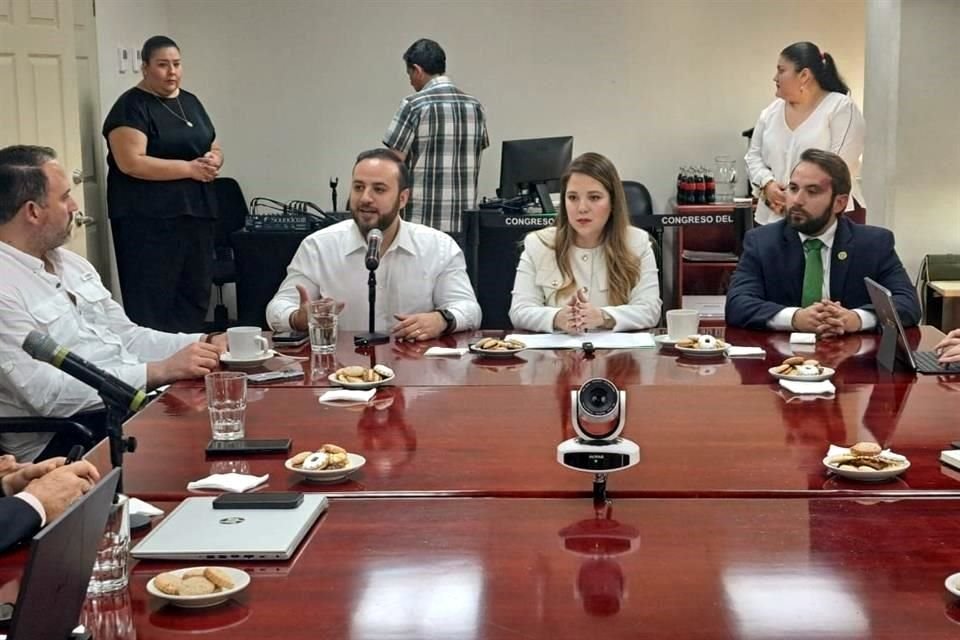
(197, 531)
(59, 568)
(893, 344)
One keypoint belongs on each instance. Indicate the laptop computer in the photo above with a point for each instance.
(894, 347)
(60, 565)
(197, 531)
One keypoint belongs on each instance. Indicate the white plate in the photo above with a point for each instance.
(490, 353)
(354, 462)
(826, 375)
(702, 353)
(665, 340)
(873, 475)
(226, 358)
(952, 583)
(359, 385)
(240, 581)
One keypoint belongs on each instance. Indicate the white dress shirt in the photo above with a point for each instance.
(423, 270)
(835, 125)
(783, 321)
(535, 302)
(92, 325)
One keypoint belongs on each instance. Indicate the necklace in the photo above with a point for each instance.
(179, 116)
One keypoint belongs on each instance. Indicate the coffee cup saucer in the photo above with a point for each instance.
(248, 361)
(664, 340)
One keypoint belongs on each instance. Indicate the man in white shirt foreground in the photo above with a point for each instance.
(49, 289)
(422, 286)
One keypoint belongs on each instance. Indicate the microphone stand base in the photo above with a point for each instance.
(364, 339)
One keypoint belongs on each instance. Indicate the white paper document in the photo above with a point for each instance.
(599, 339)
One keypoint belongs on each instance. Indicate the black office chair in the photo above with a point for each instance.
(77, 432)
(640, 205)
(231, 216)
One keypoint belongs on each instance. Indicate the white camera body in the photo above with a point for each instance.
(598, 414)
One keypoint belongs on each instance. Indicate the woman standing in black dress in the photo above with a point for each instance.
(163, 157)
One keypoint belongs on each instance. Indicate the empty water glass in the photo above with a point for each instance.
(110, 568)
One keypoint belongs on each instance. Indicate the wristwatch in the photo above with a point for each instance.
(449, 319)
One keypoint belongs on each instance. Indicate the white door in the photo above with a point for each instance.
(38, 84)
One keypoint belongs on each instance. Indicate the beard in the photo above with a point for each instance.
(383, 220)
(808, 225)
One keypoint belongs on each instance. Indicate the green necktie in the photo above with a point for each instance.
(812, 272)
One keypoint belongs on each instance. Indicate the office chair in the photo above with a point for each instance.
(79, 433)
(640, 205)
(231, 216)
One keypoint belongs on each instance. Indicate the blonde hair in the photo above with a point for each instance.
(623, 266)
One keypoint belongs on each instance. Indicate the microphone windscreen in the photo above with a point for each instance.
(375, 234)
(40, 346)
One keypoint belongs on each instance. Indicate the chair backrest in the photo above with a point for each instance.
(231, 210)
(638, 200)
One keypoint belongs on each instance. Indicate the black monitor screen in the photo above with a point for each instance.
(526, 163)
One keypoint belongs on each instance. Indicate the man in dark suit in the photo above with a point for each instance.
(35, 494)
(805, 272)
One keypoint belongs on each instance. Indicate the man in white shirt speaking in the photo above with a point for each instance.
(422, 286)
(49, 289)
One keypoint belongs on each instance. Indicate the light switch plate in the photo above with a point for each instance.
(123, 59)
(135, 60)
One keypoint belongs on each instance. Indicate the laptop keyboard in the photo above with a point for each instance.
(927, 363)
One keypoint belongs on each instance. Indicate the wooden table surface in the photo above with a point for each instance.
(501, 441)
(505, 569)
(853, 356)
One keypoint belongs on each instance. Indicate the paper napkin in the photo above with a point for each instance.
(798, 386)
(139, 507)
(738, 352)
(350, 395)
(232, 482)
(445, 351)
(803, 338)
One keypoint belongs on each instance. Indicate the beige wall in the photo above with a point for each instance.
(296, 88)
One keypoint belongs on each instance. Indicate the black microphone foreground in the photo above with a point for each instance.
(374, 240)
(44, 348)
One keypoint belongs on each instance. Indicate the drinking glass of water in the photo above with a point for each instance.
(322, 322)
(111, 571)
(726, 178)
(227, 403)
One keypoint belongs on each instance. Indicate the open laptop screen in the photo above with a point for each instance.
(889, 319)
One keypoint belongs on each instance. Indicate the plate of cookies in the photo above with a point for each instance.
(867, 462)
(702, 346)
(798, 368)
(497, 348)
(198, 587)
(359, 377)
(329, 463)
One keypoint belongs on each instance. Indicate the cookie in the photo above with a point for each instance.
(316, 461)
(218, 577)
(384, 371)
(332, 448)
(784, 369)
(337, 460)
(812, 363)
(298, 459)
(795, 360)
(168, 583)
(197, 586)
(352, 371)
(865, 449)
(192, 573)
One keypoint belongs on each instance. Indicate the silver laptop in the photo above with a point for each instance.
(197, 531)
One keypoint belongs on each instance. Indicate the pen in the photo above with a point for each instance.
(75, 454)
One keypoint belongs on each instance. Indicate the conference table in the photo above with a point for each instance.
(463, 525)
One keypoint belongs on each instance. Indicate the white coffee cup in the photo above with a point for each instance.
(682, 323)
(246, 342)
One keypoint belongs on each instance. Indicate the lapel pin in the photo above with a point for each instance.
(842, 255)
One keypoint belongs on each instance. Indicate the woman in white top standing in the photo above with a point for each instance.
(813, 110)
(592, 270)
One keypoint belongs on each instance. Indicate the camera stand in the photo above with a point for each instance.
(119, 445)
(371, 337)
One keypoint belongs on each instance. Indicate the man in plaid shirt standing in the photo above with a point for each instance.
(440, 132)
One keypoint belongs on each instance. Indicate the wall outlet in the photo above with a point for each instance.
(135, 60)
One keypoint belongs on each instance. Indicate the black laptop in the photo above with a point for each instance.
(54, 583)
(894, 347)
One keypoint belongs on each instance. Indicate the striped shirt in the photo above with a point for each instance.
(443, 132)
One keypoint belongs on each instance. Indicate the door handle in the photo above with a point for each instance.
(82, 220)
(77, 176)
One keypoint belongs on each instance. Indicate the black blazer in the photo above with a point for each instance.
(769, 275)
(18, 521)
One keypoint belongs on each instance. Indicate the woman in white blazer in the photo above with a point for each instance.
(812, 110)
(592, 271)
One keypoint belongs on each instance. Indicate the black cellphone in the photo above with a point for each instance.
(290, 338)
(227, 447)
(264, 500)
(76, 452)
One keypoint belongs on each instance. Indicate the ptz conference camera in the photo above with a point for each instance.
(598, 412)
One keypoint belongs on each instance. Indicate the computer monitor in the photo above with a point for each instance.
(534, 167)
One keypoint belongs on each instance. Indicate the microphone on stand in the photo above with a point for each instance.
(374, 240)
(44, 348)
(372, 261)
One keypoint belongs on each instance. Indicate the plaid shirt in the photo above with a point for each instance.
(442, 131)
